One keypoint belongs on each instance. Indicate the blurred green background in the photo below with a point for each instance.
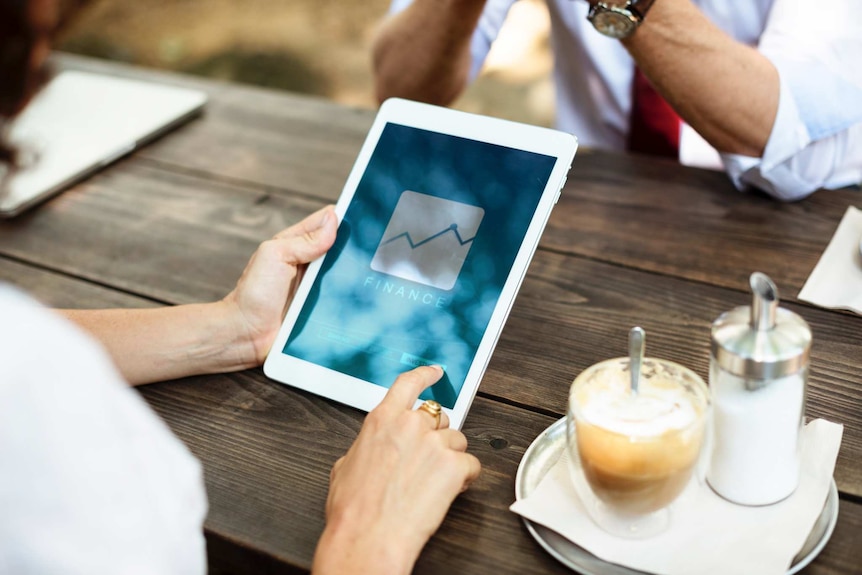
(310, 46)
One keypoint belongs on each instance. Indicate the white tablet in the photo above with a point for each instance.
(439, 219)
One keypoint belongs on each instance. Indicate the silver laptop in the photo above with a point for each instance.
(80, 122)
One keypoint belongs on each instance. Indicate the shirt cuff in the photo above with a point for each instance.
(398, 6)
(788, 137)
(487, 29)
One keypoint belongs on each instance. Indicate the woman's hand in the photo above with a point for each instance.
(390, 492)
(266, 287)
(229, 335)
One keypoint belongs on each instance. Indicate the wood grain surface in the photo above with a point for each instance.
(633, 241)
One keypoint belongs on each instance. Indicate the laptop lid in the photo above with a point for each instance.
(80, 122)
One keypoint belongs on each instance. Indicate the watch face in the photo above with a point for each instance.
(614, 22)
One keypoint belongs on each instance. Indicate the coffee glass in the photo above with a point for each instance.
(631, 454)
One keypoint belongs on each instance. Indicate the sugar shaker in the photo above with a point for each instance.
(758, 376)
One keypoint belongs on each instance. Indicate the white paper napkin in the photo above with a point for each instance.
(836, 281)
(708, 534)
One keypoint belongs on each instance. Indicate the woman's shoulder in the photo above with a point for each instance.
(81, 450)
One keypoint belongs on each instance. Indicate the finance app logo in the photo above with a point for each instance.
(427, 239)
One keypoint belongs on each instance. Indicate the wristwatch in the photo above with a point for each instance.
(618, 19)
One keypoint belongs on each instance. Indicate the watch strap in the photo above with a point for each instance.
(640, 7)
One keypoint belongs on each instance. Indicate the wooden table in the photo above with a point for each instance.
(632, 241)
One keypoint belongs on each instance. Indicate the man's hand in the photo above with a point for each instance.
(423, 52)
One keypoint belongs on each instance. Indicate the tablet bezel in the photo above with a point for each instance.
(362, 394)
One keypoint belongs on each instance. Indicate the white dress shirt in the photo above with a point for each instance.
(92, 482)
(816, 140)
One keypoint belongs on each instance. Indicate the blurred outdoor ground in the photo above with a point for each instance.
(311, 46)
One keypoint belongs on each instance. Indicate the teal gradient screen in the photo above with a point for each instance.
(420, 259)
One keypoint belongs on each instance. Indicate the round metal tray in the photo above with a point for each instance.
(544, 452)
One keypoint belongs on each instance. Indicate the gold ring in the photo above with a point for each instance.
(434, 409)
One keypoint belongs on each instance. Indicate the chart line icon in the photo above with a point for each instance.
(427, 239)
(451, 228)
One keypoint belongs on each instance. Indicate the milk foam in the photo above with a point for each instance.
(656, 409)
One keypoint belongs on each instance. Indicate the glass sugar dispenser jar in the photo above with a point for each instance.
(758, 378)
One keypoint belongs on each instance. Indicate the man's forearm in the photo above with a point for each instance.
(150, 345)
(423, 52)
(725, 90)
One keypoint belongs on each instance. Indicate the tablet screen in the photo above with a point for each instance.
(421, 257)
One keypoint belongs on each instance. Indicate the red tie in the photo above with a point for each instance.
(654, 126)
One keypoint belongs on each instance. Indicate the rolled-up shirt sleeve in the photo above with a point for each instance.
(816, 139)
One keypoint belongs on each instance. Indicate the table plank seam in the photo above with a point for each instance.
(90, 281)
(239, 183)
(628, 267)
(519, 405)
(217, 538)
(850, 497)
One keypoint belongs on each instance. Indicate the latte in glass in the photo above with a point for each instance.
(632, 454)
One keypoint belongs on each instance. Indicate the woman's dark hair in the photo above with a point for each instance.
(21, 30)
(16, 43)
(18, 80)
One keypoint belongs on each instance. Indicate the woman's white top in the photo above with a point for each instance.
(92, 482)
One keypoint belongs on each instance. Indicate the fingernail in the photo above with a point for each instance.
(324, 220)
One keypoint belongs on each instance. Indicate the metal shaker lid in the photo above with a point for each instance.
(762, 341)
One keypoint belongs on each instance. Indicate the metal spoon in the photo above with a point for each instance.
(636, 355)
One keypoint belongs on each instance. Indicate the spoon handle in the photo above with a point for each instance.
(636, 355)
